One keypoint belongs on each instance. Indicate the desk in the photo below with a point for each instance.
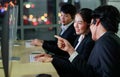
(32, 69)
(23, 52)
(1, 69)
(24, 68)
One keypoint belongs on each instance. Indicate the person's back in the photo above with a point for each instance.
(105, 57)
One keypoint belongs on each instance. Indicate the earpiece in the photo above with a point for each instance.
(94, 21)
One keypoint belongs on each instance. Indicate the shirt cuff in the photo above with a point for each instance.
(74, 54)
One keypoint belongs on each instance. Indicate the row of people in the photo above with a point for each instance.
(96, 50)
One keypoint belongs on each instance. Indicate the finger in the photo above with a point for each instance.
(60, 40)
(33, 42)
(61, 45)
(40, 55)
(38, 59)
(58, 37)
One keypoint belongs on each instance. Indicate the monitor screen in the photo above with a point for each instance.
(9, 33)
(13, 14)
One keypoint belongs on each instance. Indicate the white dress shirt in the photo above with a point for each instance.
(64, 27)
(75, 53)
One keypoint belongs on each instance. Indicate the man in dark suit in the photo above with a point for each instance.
(68, 12)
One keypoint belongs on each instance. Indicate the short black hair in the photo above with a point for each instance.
(68, 8)
(109, 17)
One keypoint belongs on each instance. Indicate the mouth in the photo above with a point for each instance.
(77, 30)
(63, 21)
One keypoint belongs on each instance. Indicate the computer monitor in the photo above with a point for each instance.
(9, 33)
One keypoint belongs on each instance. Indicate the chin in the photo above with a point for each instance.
(94, 38)
(78, 33)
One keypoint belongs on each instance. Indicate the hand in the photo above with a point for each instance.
(37, 42)
(43, 58)
(64, 45)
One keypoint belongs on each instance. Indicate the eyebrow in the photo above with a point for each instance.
(79, 21)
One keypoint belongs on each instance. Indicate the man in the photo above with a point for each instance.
(68, 12)
(104, 60)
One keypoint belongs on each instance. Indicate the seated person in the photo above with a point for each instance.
(83, 46)
(104, 59)
(67, 32)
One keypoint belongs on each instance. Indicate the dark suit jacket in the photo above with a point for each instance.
(51, 46)
(67, 69)
(104, 60)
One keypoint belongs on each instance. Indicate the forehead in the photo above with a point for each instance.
(78, 17)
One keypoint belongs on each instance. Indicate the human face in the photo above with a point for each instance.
(93, 30)
(80, 25)
(65, 18)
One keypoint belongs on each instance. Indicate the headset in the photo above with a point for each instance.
(94, 21)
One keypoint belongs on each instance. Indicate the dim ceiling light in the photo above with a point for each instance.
(30, 16)
(59, 14)
(42, 17)
(45, 14)
(27, 5)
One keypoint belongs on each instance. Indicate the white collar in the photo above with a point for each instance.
(81, 37)
(66, 26)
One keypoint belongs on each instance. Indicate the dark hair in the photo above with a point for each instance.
(109, 17)
(86, 15)
(68, 9)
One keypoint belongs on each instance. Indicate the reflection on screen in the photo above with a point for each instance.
(9, 33)
(13, 14)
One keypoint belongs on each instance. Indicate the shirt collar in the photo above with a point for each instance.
(81, 37)
(66, 26)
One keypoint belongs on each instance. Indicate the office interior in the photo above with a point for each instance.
(40, 19)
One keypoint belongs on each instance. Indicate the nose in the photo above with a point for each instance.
(76, 25)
